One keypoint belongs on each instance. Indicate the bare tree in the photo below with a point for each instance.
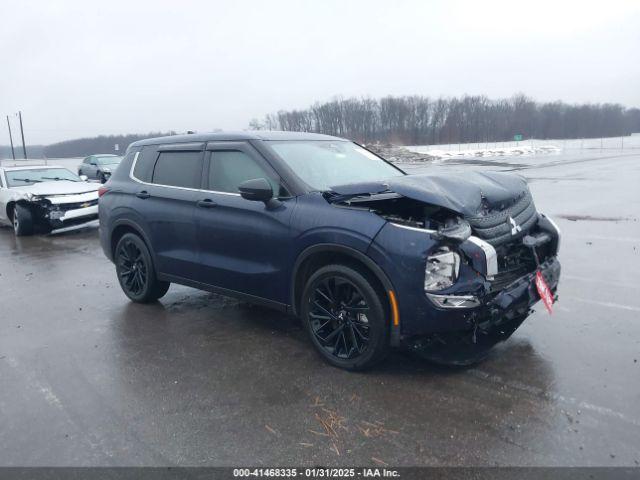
(421, 120)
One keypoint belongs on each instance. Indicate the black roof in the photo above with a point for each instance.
(230, 136)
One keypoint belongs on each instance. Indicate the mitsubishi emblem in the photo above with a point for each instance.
(515, 228)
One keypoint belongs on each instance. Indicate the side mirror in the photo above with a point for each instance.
(84, 178)
(258, 189)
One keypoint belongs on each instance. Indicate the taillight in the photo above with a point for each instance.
(102, 190)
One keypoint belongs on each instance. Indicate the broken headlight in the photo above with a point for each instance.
(49, 210)
(56, 214)
(441, 270)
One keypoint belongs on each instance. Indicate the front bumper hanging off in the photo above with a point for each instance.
(57, 212)
(491, 322)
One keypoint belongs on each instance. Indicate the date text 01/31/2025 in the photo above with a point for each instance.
(316, 472)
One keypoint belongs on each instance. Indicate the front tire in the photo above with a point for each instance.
(135, 270)
(22, 221)
(345, 317)
(102, 178)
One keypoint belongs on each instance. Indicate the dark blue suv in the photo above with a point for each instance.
(366, 256)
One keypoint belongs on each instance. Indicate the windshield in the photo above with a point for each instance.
(18, 178)
(107, 160)
(323, 164)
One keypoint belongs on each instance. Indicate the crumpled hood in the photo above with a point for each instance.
(59, 187)
(468, 193)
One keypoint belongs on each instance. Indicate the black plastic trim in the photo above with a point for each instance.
(357, 255)
(224, 291)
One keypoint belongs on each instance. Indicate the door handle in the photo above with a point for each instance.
(207, 203)
(143, 194)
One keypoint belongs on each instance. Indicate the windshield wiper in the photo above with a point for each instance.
(59, 178)
(27, 180)
(334, 197)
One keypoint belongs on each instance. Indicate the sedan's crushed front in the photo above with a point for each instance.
(62, 211)
(39, 199)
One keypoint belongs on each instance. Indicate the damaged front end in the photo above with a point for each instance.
(53, 212)
(463, 271)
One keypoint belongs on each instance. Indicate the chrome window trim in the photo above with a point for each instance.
(490, 255)
(132, 177)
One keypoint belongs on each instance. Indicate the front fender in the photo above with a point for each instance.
(402, 252)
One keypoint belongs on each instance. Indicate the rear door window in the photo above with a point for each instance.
(178, 169)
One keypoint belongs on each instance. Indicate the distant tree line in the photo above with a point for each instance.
(82, 147)
(33, 151)
(419, 120)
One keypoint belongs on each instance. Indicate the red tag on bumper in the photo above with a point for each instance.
(544, 291)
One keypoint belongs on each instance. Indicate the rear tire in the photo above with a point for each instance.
(135, 270)
(345, 317)
(22, 221)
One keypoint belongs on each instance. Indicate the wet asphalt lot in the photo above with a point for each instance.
(88, 378)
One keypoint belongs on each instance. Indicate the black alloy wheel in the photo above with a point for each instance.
(135, 270)
(345, 317)
(339, 317)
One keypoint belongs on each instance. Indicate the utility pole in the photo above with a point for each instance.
(24, 146)
(13, 153)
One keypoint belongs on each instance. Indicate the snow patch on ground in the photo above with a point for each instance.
(489, 152)
(526, 147)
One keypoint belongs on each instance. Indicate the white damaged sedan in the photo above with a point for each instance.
(39, 199)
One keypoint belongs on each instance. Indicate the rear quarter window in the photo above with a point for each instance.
(143, 169)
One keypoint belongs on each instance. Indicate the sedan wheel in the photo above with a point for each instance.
(22, 221)
(16, 222)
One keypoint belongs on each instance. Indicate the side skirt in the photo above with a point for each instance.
(226, 292)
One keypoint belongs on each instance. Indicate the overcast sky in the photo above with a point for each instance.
(79, 68)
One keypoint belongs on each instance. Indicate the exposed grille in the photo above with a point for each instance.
(514, 261)
(497, 228)
(77, 205)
